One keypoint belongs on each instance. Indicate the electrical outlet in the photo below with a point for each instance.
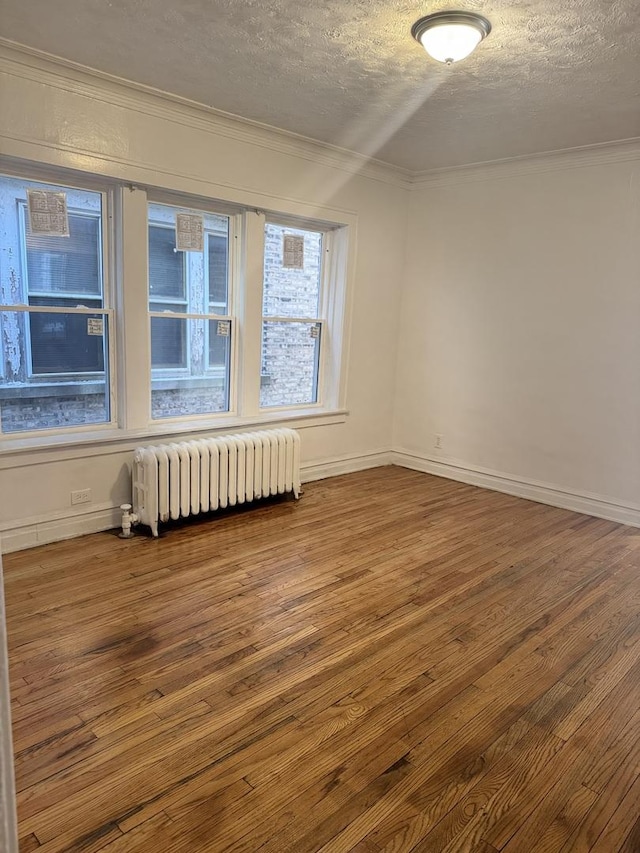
(82, 496)
(438, 442)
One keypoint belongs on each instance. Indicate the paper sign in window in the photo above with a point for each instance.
(189, 232)
(315, 331)
(48, 213)
(95, 326)
(293, 251)
(223, 328)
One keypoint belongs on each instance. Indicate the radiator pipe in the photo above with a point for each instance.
(128, 518)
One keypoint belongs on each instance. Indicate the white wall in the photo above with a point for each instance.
(518, 340)
(63, 117)
(520, 330)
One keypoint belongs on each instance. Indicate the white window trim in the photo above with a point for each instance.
(49, 445)
(103, 296)
(130, 405)
(56, 178)
(188, 204)
(324, 286)
(334, 310)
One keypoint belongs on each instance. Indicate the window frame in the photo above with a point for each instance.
(67, 180)
(124, 234)
(185, 203)
(322, 320)
(169, 373)
(34, 378)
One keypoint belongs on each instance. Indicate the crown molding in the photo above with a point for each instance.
(46, 69)
(605, 153)
(43, 68)
(24, 151)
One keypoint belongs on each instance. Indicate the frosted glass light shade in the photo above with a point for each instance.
(451, 36)
(451, 42)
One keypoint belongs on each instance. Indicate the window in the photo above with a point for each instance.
(291, 328)
(190, 354)
(54, 314)
(62, 272)
(148, 313)
(167, 292)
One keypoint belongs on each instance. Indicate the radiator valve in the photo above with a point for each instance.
(128, 518)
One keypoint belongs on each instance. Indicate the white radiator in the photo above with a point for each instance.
(171, 481)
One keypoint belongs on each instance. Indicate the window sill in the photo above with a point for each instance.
(37, 449)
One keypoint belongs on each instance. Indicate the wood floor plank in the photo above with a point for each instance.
(396, 662)
(447, 790)
(28, 844)
(631, 844)
(585, 836)
(566, 821)
(622, 822)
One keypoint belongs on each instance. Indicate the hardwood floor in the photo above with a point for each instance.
(397, 662)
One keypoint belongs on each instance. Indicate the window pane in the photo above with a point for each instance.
(66, 343)
(290, 358)
(166, 264)
(66, 264)
(43, 403)
(218, 269)
(291, 278)
(168, 343)
(205, 387)
(218, 344)
(196, 278)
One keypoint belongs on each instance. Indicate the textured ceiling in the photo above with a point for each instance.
(553, 74)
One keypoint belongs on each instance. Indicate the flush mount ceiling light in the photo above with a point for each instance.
(450, 36)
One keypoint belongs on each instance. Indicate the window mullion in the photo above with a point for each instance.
(250, 340)
(134, 351)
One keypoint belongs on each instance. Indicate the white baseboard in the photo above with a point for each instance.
(587, 503)
(344, 465)
(29, 532)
